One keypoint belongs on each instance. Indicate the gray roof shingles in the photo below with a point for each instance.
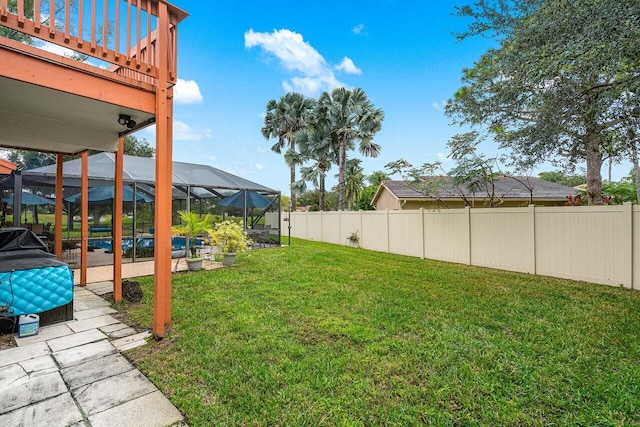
(505, 187)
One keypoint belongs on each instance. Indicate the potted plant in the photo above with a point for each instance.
(191, 227)
(354, 239)
(231, 238)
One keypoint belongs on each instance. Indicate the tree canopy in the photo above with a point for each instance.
(563, 78)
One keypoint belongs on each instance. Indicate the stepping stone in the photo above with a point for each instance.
(39, 365)
(75, 340)
(111, 328)
(84, 353)
(93, 312)
(19, 354)
(131, 341)
(113, 391)
(94, 322)
(120, 333)
(95, 370)
(137, 413)
(32, 391)
(46, 333)
(59, 411)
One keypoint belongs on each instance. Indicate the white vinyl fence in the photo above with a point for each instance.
(598, 244)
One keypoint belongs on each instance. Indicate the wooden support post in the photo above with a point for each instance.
(116, 222)
(84, 220)
(57, 238)
(162, 257)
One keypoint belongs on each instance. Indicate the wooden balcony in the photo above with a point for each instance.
(111, 66)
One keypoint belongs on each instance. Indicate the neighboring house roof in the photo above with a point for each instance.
(506, 187)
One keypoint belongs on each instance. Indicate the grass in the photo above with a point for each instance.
(318, 334)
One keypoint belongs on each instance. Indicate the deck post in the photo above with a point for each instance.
(57, 238)
(162, 256)
(84, 218)
(116, 222)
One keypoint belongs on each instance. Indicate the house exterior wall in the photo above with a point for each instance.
(598, 244)
(386, 200)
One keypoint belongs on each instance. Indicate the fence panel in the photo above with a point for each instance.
(598, 244)
(502, 238)
(583, 243)
(314, 226)
(349, 223)
(331, 227)
(375, 231)
(446, 235)
(405, 233)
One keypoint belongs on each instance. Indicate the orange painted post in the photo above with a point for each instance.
(169, 286)
(162, 258)
(116, 223)
(84, 220)
(57, 238)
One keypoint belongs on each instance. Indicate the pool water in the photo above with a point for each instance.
(177, 243)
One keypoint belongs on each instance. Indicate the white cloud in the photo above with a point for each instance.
(261, 149)
(211, 158)
(439, 106)
(358, 29)
(348, 66)
(312, 73)
(443, 158)
(184, 132)
(259, 166)
(187, 92)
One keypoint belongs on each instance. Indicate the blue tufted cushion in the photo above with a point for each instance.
(36, 290)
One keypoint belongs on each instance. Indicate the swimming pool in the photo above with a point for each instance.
(177, 243)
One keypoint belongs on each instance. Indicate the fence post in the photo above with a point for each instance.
(361, 230)
(306, 229)
(627, 242)
(422, 239)
(467, 211)
(532, 236)
(388, 231)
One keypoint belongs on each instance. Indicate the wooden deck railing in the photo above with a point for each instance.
(121, 33)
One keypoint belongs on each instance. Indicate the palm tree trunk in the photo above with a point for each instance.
(321, 194)
(293, 193)
(342, 173)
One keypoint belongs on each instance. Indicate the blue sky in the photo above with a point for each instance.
(234, 56)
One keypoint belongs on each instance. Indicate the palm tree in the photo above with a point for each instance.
(284, 119)
(316, 146)
(354, 182)
(353, 118)
(377, 178)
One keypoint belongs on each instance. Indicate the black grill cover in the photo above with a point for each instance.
(21, 249)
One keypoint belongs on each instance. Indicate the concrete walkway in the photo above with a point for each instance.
(72, 373)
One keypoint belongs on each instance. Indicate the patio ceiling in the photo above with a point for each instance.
(36, 118)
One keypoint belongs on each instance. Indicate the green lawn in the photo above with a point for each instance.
(318, 334)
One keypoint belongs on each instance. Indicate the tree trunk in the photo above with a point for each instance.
(321, 194)
(594, 168)
(342, 174)
(293, 193)
(292, 146)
